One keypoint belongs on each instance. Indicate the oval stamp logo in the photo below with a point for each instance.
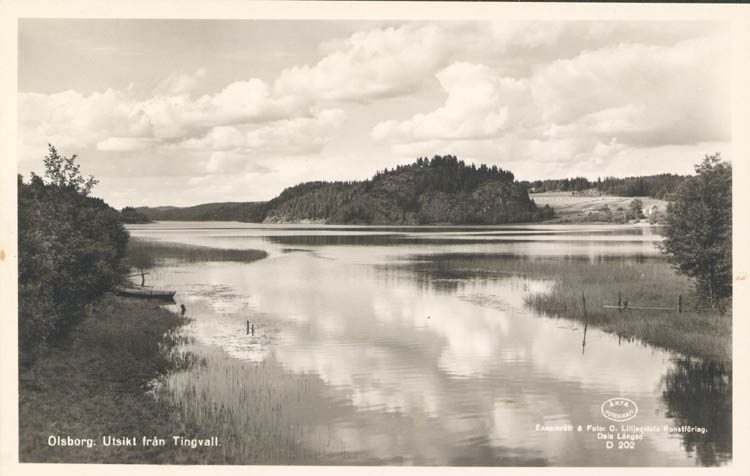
(619, 409)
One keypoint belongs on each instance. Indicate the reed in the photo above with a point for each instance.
(144, 254)
(642, 281)
(650, 283)
(261, 412)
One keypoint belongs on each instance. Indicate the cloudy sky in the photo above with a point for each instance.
(181, 112)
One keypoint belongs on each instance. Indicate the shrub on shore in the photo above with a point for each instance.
(69, 250)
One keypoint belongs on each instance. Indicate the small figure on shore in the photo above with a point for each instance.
(182, 310)
(625, 304)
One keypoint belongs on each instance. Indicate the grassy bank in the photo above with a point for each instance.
(95, 382)
(644, 282)
(651, 283)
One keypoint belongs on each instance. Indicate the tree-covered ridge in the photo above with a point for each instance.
(661, 186)
(438, 190)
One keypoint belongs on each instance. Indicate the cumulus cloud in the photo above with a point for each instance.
(301, 135)
(237, 147)
(672, 94)
(118, 121)
(218, 138)
(577, 109)
(528, 95)
(371, 64)
(393, 61)
(479, 105)
(70, 118)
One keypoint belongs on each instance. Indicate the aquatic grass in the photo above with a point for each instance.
(144, 254)
(651, 283)
(260, 411)
(642, 281)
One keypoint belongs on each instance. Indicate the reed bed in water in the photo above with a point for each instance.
(261, 413)
(142, 253)
(650, 283)
(643, 282)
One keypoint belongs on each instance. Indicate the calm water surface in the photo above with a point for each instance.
(414, 362)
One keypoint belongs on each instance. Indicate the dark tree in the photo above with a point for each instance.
(636, 208)
(64, 172)
(698, 235)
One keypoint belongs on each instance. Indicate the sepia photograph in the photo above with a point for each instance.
(374, 240)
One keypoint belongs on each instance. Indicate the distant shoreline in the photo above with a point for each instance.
(569, 208)
(553, 221)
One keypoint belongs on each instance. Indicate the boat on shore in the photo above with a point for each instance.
(145, 293)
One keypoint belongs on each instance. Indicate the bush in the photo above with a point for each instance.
(69, 250)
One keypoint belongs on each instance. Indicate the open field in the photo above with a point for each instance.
(573, 206)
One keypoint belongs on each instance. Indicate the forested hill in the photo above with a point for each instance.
(438, 190)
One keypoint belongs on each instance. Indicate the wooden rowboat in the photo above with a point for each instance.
(145, 293)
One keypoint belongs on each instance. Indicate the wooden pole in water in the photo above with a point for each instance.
(679, 303)
(248, 327)
(585, 323)
(619, 300)
(583, 298)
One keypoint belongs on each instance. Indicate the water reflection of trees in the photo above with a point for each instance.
(699, 393)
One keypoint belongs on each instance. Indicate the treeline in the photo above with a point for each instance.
(448, 174)
(438, 190)
(69, 249)
(661, 186)
(252, 212)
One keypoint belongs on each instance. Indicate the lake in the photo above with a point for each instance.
(414, 346)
